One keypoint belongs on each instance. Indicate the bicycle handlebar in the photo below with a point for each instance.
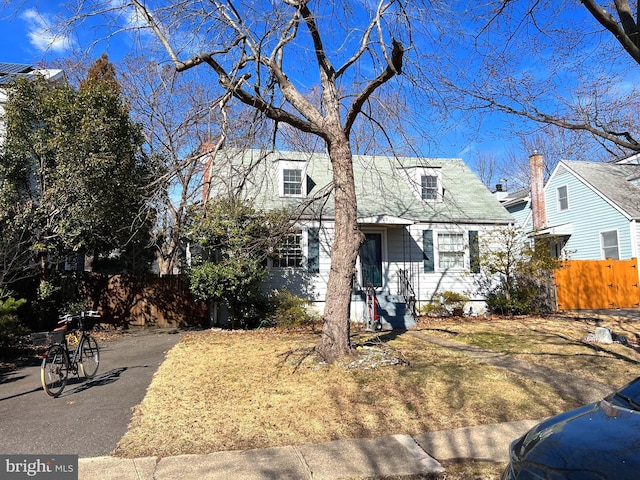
(68, 318)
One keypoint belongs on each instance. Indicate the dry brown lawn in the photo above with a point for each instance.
(556, 342)
(227, 390)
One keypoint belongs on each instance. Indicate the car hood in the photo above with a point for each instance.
(598, 441)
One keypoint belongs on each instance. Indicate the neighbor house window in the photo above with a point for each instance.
(450, 250)
(292, 181)
(289, 252)
(610, 245)
(563, 199)
(429, 184)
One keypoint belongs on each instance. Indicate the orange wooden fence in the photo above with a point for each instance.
(597, 284)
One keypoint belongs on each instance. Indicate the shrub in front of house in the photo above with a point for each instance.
(449, 304)
(290, 311)
(515, 302)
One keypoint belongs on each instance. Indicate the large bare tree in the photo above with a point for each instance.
(260, 53)
(550, 64)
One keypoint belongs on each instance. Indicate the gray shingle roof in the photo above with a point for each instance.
(516, 197)
(382, 187)
(613, 181)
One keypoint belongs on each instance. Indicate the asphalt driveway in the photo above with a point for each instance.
(90, 417)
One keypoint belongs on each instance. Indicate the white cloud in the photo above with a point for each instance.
(130, 15)
(41, 34)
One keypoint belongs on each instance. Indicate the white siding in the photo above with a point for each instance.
(298, 280)
(403, 251)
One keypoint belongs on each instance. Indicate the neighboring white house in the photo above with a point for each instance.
(422, 218)
(9, 72)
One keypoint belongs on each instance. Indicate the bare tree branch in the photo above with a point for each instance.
(628, 34)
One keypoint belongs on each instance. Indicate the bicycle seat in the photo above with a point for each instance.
(63, 328)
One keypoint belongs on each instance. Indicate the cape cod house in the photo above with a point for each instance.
(422, 218)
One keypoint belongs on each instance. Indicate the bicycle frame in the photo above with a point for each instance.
(59, 359)
(73, 356)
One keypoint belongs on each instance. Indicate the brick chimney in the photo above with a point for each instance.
(538, 209)
(207, 160)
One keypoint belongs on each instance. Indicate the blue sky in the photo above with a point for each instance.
(25, 35)
(25, 38)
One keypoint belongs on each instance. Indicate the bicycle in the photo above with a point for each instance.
(59, 360)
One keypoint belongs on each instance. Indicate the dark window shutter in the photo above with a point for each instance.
(474, 251)
(313, 255)
(427, 250)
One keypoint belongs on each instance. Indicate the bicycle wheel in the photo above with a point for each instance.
(54, 371)
(89, 356)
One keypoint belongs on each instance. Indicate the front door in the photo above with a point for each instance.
(371, 260)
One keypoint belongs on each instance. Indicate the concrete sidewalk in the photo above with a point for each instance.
(395, 455)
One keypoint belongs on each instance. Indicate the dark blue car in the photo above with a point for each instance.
(598, 441)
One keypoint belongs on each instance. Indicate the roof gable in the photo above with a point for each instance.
(616, 183)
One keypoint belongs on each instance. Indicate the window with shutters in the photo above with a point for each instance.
(450, 251)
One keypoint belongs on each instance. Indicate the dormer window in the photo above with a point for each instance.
(292, 178)
(425, 182)
(429, 184)
(292, 182)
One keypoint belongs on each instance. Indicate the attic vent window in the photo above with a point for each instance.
(429, 184)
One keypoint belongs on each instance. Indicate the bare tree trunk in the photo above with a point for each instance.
(166, 256)
(344, 251)
(165, 265)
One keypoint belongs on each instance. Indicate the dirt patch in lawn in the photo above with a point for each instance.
(221, 390)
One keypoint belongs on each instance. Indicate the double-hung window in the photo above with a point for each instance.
(563, 198)
(451, 251)
(289, 252)
(429, 187)
(610, 245)
(292, 178)
(292, 181)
